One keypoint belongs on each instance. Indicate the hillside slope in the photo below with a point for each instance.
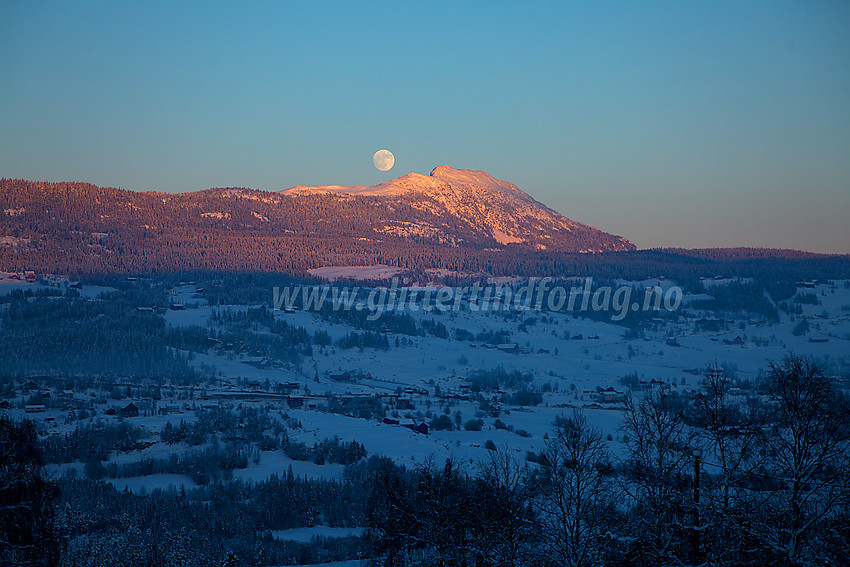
(456, 219)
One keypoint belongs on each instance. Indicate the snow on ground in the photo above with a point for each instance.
(7, 285)
(374, 272)
(467, 447)
(152, 482)
(393, 441)
(189, 317)
(305, 535)
(570, 369)
(276, 462)
(234, 368)
(157, 452)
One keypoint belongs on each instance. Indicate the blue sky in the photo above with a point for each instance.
(691, 124)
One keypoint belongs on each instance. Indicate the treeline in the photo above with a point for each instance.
(738, 298)
(498, 378)
(327, 451)
(362, 319)
(211, 525)
(240, 326)
(403, 323)
(91, 443)
(218, 441)
(288, 342)
(216, 462)
(77, 337)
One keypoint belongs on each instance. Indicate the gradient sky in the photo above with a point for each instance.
(694, 124)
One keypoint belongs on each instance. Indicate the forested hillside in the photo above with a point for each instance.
(81, 228)
(78, 228)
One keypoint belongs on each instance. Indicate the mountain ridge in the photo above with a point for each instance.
(505, 212)
(455, 219)
(80, 228)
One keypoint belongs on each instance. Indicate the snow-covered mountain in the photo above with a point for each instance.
(483, 203)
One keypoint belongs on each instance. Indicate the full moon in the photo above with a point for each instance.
(383, 160)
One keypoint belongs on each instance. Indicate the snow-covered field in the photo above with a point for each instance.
(306, 534)
(433, 375)
(570, 370)
(376, 272)
(11, 281)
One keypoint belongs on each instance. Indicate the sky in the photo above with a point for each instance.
(692, 124)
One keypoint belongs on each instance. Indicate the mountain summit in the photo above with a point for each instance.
(487, 205)
(456, 219)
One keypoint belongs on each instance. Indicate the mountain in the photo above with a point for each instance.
(480, 202)
(453, 218)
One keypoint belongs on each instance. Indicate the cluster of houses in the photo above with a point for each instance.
(65, 400)
(462, 394)
(350, 376)
(757, 340)
(310, 402)
(510, 348)
(27, 276)
(609, 395)
(581, 337)
(422, 427)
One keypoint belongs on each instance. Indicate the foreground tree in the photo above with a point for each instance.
(26, 499)
(507, 534)
(808, 458)
(391, 516)
(728, 433)
(655, 479)
(444, 503)
(575, 493)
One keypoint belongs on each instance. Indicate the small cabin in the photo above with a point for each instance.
(344, 377)
(130, 410)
